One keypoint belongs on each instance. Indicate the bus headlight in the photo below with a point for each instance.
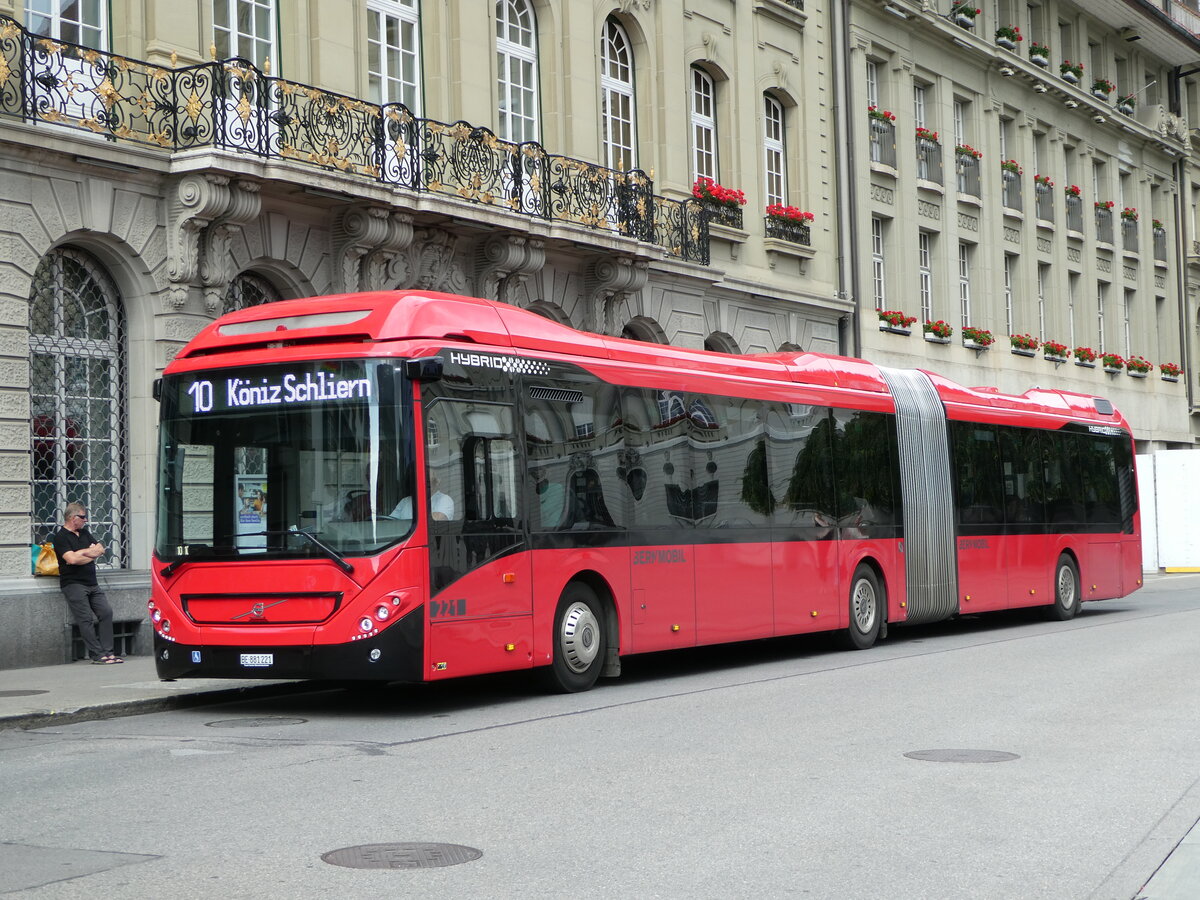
(365, 624)
(382, 613)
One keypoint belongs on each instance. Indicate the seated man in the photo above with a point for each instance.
(441, 505)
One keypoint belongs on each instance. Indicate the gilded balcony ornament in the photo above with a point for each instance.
(400, 150)
(174, 59)
(122, 63)
(286, 88)
(53, 115)
(435, 185)
(89, 56)
(194, 106)
(535, 183)
(488, 197)
(109, 95)
(94, 124)
(212, 52)
(641, 206)
(161, 138)
(5, 72)
(514, 203)
(460, 132)
(267, 65)
(9, 31)
(243, 109)
(51, 48)
(124, 132)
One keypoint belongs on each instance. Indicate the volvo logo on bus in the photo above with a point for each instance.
(257, 610)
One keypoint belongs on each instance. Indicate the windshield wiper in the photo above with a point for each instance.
(317, 542)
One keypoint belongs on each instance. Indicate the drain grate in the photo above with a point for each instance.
(401, 856)
(21, 693)
(255, 722)
(962, 756)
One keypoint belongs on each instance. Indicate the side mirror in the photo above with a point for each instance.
(426, 368)
(156, 390)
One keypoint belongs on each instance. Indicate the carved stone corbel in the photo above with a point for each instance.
(503, 262)
(610, 281)
(355, 232)
(215, 270)
(431, 262)
(379, 269)
(197, 200)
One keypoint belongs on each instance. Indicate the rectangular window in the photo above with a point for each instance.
(964, 284)
(877, 262)
(393, 60)
(872, 83)
(1043, 277)
(704, 126)
(774, 158)
(1101, 290)
(1126, 314)
(925, 268)
(69, 20)
(1009, 265)
(246, 29)
(960, 122)
(1072, 294)
(919, 93)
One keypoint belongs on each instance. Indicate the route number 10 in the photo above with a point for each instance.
(202, 395)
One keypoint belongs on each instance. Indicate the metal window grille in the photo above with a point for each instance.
(78, 418)
(517, 68)
(1160, 245)
(969, 181)
(249, 289)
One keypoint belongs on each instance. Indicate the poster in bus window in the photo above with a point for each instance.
(251, 512)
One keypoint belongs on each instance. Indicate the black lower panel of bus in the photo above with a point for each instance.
(397, 651)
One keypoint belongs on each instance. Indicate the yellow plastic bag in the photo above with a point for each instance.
(47, 562)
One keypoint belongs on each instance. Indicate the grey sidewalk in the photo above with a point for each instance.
(75, 692)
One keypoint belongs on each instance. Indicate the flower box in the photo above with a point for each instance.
(1172, 378)
(1085, 364)
(934, 339)
(895, 321)
(1114, 370)
(894, 329)
(1136, 374)
(1024, 351)
(974, 345)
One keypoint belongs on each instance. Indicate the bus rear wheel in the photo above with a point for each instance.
(580, 642)
(1066, 590)
(866, 609)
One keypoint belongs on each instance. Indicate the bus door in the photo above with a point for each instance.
(799, 447)
(1029, 554)
(480, 575)
(730, 518)
(979, 509)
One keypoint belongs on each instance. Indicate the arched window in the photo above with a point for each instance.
(704, 126)
(720, 342)
(394, 52)
(517, 71)
(618, 114)
(249, 289)
(774, 152)
(78, 419)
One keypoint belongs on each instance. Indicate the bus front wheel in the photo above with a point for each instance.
(866, 609)
(579, 640)
(1066, 590)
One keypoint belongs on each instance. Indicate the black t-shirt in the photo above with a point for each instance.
(64, 540)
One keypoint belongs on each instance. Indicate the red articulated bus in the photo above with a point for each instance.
(406, 485)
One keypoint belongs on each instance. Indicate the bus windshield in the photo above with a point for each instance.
(302, 459)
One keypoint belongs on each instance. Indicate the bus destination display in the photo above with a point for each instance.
(273, 388)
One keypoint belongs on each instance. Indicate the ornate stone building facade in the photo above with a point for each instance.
(162, 164)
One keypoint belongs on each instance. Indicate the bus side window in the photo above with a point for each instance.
(976, 454)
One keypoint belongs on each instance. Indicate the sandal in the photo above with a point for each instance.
(107, 661)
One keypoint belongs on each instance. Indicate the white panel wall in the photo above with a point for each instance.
(1148, 506)
(1177, 492)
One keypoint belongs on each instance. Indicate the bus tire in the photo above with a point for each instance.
(1066, 590)
(580, 642)
(865, 607)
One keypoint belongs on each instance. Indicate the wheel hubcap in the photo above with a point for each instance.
(580, 638)
(1066, 587)
(862, 606)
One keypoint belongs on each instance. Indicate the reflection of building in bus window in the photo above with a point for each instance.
(588, 500)
(550, 501)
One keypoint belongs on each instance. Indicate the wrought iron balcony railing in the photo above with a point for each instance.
(929, 161)
(1104, 225)
(1044, 201)
(1074, 206)
(786, 230)
(967, 169)
(882, 135)
(1129, 235)
(232, 105)
(1160, 245)
(1011, 196)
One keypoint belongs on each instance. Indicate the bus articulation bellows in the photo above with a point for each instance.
(406, 485)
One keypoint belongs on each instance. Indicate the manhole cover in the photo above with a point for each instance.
(258, 722)
(401, 856)
(21, 693)
(962, 756)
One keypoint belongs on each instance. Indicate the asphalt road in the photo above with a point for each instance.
(774, 769)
